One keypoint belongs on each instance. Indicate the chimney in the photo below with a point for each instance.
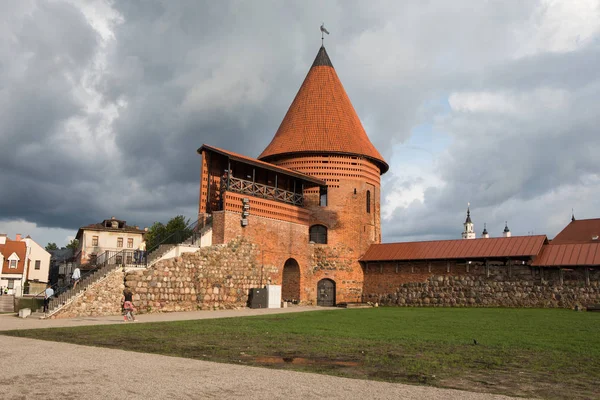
(2, 238)
(18, 237)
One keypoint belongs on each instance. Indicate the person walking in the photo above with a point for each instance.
(141, 253)
(76, 276)
(128, 307)
(48, 293)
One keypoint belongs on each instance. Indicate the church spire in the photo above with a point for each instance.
(469, 231)
(572, 215)
(506, 232)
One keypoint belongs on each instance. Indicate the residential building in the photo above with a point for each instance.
(25, 265)
(107, 237)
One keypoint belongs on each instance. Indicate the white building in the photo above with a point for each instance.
(109, 236)
(25, 264)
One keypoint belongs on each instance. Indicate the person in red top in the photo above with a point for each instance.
(128, 307)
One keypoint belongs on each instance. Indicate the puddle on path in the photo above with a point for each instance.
(304, 361)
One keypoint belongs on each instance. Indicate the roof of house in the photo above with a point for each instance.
(516, 246)
(321, 119)
(579, 231)
(102, 226)
(263, 164)
(570, 254)
(7, 249)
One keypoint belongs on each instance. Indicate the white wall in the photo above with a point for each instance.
(107, 241)
(36, 252)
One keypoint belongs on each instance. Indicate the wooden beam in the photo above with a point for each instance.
(587, 276)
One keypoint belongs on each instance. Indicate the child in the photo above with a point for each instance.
(128, 310)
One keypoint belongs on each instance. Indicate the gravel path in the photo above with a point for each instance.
(39, 369)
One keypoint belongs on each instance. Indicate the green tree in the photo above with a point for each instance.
(73, 245)
(175, 231)
(51, 246)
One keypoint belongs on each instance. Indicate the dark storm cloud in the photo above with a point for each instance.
(48, 48)
(102, 115)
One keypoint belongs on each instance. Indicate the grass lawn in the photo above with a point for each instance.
(523, 352)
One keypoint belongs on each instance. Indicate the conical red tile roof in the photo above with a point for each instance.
(322, 119)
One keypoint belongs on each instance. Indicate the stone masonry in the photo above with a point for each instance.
(477, 285)
(217, 277)
(100, 298)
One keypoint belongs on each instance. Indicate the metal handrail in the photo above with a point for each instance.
(111, 260)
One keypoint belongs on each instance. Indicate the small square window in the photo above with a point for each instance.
(119, 242)
(13, 264)
(94, 240)
(38, 264)
(130, 243)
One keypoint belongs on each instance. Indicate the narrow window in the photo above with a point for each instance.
(13, 264)
(38, 264)
(119, 242)
(119, 259)
(130, 243)
(11, 284)
(323, 196)
(318, 234)
(94, 240)
(368, 201)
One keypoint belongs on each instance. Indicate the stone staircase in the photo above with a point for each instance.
(7, 304)
(66, 295)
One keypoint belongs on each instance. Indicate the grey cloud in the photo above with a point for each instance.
(179, 74)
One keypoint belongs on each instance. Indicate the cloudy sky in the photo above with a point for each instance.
(103, 105)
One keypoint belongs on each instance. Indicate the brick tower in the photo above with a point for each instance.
(322, 136)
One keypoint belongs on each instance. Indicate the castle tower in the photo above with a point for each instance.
(506, 232)
(469, 230)
(321, 135)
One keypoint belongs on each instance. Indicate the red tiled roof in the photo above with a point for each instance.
(322, 119)
(572, 254)
(579, 231)
(262, 164)
(12, 246)
(516, 246)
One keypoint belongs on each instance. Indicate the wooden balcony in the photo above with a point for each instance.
(250, 188)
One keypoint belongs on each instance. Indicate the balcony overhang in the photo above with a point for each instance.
(307, 179)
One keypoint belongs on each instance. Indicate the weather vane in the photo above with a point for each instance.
(323, 30)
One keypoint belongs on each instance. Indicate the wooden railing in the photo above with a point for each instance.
(266, 192)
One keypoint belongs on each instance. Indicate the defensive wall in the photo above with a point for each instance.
(480, 284)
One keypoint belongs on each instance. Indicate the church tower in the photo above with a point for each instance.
(469, 230)
(321, 135)
(506, 232)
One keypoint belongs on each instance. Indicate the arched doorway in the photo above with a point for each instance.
(326, 293)
(290, 289)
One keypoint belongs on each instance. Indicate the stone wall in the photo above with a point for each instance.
(217, 277)
(499, 284)
(101, 298)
